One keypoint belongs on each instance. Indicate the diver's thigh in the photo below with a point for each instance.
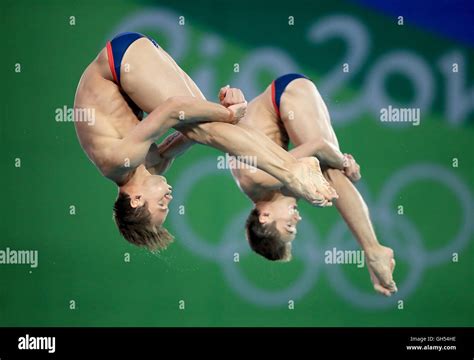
(148, 76)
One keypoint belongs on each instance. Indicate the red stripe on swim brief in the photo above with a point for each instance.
(274, 99)
(110, 56)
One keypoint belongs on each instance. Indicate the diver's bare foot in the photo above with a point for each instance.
(310, 184)
(381, 264)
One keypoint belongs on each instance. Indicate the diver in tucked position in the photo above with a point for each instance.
(132, 75)
(291, 109)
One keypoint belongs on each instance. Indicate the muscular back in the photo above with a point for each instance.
(260, 116)
(115, 114)
(112, 115)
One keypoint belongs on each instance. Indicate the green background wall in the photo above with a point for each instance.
(82, 257)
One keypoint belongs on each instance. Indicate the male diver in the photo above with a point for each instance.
(292, 110)
(132, 75)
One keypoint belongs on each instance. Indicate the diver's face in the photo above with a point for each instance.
(284, 212)
(156, 193)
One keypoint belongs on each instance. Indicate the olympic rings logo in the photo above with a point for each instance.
(389, 226)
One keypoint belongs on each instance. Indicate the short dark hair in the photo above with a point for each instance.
(265, 240)
(135, 225)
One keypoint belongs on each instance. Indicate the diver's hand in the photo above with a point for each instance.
(351, 168)
(238, 111)
(230, 96)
